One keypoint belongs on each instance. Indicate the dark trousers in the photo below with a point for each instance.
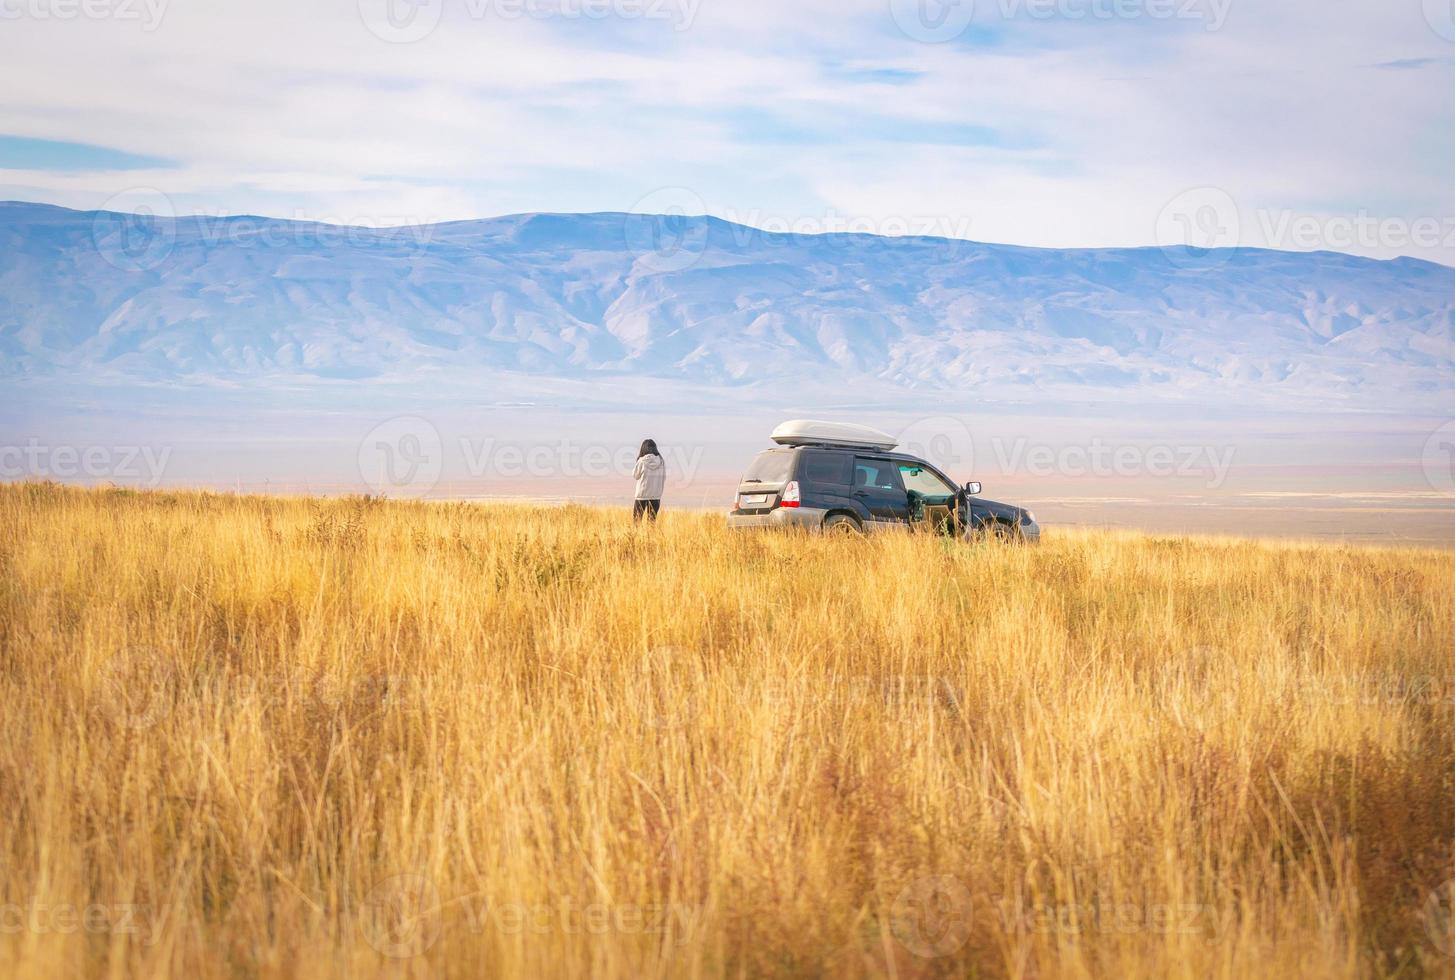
(647, 507)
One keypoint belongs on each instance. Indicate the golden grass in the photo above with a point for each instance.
(268, 737)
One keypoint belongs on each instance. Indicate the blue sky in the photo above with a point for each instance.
(25, 153)
(1292, 123)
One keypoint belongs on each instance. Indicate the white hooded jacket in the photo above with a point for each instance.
(651, 476)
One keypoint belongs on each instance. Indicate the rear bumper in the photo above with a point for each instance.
(806, 518)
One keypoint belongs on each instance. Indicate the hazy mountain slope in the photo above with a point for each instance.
(97, 295)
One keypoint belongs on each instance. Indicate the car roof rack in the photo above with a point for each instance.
(847, 435)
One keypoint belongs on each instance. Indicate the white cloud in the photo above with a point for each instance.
(271, 109)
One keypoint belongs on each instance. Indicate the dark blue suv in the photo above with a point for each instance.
(856, 489)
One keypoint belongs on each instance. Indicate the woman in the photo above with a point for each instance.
(651, 477)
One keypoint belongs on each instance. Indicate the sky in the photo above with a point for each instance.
(1296, 124)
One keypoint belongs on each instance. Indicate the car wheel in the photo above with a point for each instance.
(998, 532)
(842, 525)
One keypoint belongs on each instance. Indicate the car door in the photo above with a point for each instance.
(826, 478)
(930, 495)
(880, 490)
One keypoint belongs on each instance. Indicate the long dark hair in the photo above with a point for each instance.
(649, 448)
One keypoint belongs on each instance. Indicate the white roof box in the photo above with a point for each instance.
(807, 432)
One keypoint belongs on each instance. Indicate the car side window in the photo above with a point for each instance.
(923, 482)
(879, 474)
(827, 468)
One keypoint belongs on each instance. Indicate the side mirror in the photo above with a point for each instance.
(973, 488)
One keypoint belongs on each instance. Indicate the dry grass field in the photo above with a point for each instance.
(288, 737)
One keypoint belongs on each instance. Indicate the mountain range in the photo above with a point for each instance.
(220, 301)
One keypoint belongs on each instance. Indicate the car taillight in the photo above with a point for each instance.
(790, 495)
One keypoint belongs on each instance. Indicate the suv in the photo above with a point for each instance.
(820, 481)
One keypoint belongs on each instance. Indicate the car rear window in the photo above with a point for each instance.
(831, 468)
(769, 466)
